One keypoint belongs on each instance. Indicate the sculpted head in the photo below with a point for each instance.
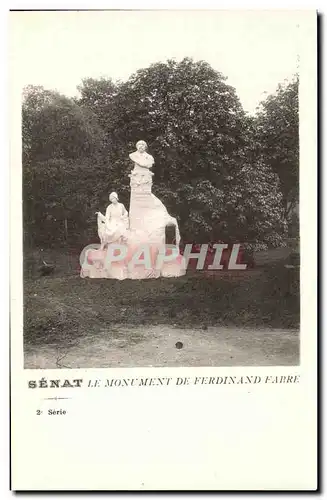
(141, 146)
(113, 197)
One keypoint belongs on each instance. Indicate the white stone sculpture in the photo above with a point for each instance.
(146, 224)
(112, 227)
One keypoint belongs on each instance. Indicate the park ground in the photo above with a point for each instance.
(228, 318)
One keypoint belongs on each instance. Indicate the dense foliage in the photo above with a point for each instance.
(225, 175)
(277, 128)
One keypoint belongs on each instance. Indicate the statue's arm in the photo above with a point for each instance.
(149, 162)
(101, 217)
(146, 162)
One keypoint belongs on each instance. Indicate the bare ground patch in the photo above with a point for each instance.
(69, 321)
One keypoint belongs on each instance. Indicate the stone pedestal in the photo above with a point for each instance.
(146, 210)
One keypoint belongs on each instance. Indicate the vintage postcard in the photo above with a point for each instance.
(163, 250)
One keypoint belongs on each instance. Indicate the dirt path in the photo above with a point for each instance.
(130, 346)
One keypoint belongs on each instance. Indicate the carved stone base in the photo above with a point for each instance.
(97, 265)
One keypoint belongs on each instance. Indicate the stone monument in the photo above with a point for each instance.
(127, 237)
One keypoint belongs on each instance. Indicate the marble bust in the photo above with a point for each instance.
(141, 159)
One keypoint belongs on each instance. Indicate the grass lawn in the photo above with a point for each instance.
(62, 307)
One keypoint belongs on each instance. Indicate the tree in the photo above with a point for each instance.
(54, 126)
(277, 125)
(97, 95)
(61, 141)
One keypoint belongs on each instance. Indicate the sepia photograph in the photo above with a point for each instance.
(163, 267)
(160, 188)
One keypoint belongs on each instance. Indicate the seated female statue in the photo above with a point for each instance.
(112, 227)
